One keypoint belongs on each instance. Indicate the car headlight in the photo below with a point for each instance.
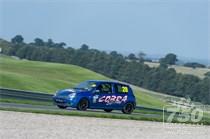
(55, 93)
(72, 95)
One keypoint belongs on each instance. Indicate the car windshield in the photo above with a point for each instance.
(87, 85)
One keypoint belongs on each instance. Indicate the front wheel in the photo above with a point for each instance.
(82, 105)
(107, 110)
(128, 108)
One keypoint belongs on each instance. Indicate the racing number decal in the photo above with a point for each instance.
(124, 89)
(113, 99)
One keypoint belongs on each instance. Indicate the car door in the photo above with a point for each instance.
(102, 95)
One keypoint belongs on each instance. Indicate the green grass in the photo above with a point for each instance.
(85, 114)
(159, 118)
(41, 76)
(199, 72)
(50, 77)
(149, 100)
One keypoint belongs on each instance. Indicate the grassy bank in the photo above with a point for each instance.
(49, 77)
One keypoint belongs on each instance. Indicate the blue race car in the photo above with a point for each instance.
(95, 94)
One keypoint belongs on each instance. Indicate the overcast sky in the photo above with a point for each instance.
(151, 26)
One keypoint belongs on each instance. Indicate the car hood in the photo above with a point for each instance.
(66, 92)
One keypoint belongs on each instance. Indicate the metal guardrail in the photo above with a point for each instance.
(20, 94)
(38, 96)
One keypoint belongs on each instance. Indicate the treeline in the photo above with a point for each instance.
(194, 65)
(114, 65)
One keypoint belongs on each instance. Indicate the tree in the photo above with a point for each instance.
(132, 56)
(141, 56)
(194, 65)
(207, 74)
(113, 53)
(84, 47)
(61, 44)
(163, 65)
(50, 43)
(38, 42)
(18, 39)
(169, 59)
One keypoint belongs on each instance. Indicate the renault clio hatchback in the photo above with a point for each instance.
(95, 94)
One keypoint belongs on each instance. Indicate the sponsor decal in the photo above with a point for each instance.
(112, 99)
(95, 98)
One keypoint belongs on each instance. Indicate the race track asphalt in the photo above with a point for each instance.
(20, 125)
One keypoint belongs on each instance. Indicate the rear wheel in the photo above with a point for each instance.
(82, 105)
(128, 108)
(62, 107)
(107, 110)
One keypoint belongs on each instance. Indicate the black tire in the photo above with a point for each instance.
(62, 107)
(128, 108)
(107, 110)
(82, 105)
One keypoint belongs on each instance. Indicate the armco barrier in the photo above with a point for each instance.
(20, 94)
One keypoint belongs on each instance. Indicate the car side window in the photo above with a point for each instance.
(105, 88)
(121, 89)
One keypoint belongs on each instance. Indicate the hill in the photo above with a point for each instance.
(199, 72)
(113, 65)
(49, 77)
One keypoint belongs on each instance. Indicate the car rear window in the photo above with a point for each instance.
(122, 89)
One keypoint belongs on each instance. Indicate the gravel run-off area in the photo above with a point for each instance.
(19, 125)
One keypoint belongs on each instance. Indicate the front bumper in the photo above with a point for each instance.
(63, 101)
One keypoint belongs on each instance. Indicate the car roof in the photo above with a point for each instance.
(108, 81)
